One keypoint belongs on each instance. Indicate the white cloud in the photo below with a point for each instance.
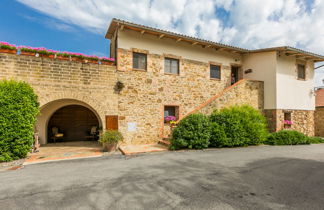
(249, 23)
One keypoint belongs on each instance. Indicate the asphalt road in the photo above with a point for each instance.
(264, 177)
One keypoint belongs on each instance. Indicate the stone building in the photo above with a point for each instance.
(158, 73)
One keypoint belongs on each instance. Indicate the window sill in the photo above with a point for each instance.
(300, 79)
(216, 79)
(134, 69)
(171, 74)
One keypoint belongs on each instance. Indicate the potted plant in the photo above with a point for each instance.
(173, 123)
(30, 51)
(110, 139)
(63, 56)
(107, 61)
(92, 59)
(169, 119)
(7, 48)
(287, 124)
(79, 57)
(46, 53)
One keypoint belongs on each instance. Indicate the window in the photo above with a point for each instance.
(287, 120)
(171, 113)
(301, 71)
(215, 72)
(171, 66)
(139, 60)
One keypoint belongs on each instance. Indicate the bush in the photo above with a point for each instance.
(287, 137)
(18, 111)
(192, 132)
(316, 140)
(217, 135)
(243, 125)
(111, 137)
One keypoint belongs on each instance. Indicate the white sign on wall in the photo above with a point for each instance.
(131, 126)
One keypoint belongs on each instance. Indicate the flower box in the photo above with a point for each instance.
(107, 63)
(5, 47)
(77, 59)
(8, 51)
(63, 58)
(47, 56)
(27, 53)
(92, 61)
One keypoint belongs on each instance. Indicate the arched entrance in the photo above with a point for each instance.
(74, 122)
(66, 115)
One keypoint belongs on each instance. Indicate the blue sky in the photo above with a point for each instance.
(22, 25)
(80, 25)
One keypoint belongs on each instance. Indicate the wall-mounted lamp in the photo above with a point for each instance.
(248, 71)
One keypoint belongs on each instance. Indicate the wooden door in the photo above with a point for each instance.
(112, 122)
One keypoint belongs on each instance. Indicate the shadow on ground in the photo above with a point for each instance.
(277, 183)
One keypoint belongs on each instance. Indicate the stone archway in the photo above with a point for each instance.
(48, 109)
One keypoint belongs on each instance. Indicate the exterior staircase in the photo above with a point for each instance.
(244, 91)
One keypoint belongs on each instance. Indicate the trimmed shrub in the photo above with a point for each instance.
(316, 140)
(192, 132)
(287, 137)
(243, 125)
(217, 135)
(18, 111)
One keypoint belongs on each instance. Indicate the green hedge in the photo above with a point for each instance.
(18, 111)
(316, 140)
(217, 135)
(193, 132)
(287, 137)
(243, 125)
(291, 137)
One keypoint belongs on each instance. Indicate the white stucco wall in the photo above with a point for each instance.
(291, 92)
(128, 39)
(263, 67)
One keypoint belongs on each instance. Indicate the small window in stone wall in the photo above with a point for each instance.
(287, 120)
(301, 71)
(171, 66)
(139, 61)
(171, 113)
(215, 72)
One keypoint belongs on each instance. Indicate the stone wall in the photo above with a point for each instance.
(54, 79)
(319, 121)
(243, 92)
(147, 92)
(303, 120)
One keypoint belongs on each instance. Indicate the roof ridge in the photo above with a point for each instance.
(286, 47)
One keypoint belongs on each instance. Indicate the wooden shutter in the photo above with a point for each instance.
(112, 122)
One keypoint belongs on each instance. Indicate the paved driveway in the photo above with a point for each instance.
(265, 177)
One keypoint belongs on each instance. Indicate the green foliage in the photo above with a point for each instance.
(63, 55)
(287, 137)
(44, 52)
(111, 136)
(243, 125)
(192, 132)
(7, 47)
(217, 135)
(18, 111)
(28, 50)
(316, 140)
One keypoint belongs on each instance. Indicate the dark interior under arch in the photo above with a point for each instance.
(74, 122)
